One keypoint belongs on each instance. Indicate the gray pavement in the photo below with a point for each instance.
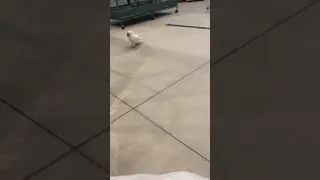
(52, 116)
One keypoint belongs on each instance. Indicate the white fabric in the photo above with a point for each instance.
(171, 176)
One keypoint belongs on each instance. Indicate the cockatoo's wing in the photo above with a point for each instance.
(137, 37)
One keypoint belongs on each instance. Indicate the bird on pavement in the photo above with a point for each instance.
(134, 38)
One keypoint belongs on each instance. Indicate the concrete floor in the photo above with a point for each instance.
(160, 95)
(265, 107)
(52, 116)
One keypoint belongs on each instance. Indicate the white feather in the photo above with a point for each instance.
(134, 38)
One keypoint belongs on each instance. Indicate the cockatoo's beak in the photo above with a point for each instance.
(128, 34)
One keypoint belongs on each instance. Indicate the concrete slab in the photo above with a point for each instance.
(138, 146)
(184, 110)
(98, 149)
(139, 74)
(117, 108)
(24, 147)
(74, 166)
(236, 22)
(266, 104)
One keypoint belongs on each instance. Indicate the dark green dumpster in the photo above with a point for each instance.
(128, 9)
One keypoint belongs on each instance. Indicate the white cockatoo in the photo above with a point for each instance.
(134, 38)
